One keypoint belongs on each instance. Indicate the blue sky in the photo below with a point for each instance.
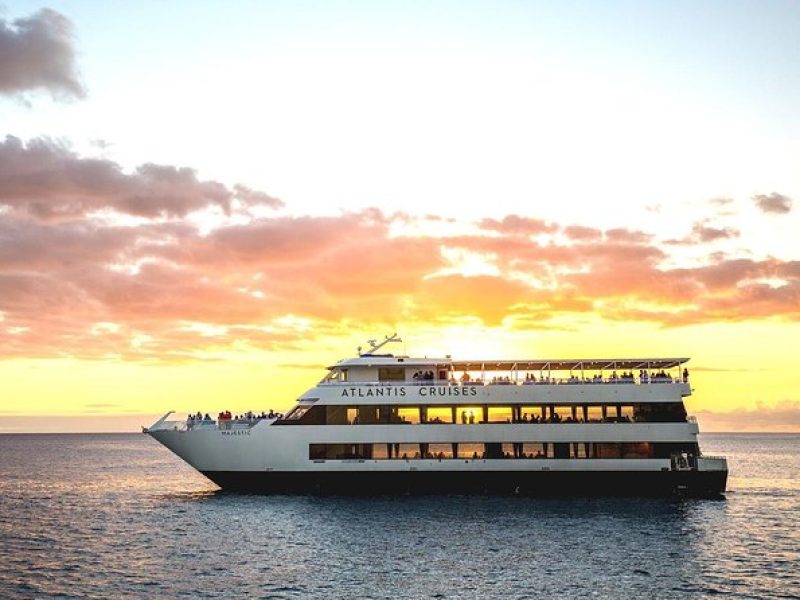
(591, 108)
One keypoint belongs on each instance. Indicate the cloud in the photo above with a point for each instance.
(720, 201)
(518, 225)
(48, 181)
(581, 233)
(773, 203)
(702, 233)
(78, 280)
(782, 417)
(627, 236)
(37, 53)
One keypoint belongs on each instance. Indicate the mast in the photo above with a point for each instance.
(373, 345)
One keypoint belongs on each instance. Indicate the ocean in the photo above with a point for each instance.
(111, 516)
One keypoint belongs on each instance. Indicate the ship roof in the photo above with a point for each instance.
(569, 364)
(559, 364)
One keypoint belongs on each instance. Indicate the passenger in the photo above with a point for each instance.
(685, 375)
(471, 418)
(464, 417)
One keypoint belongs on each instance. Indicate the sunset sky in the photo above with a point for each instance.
(203, 204)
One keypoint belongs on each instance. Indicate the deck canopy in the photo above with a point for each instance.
(590, 364)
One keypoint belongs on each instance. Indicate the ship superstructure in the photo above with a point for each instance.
(380, 423)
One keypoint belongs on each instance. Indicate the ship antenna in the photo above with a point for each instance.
(373, 345)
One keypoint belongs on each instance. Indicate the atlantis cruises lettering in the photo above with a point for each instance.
(423, 391)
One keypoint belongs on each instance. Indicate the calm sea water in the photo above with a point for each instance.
(119, 516)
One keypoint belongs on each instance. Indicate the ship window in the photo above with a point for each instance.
(579, 450)
(408, 450)
(561, 450)
(666, 412)
(367, 415)
(508, 450)
(534, 450)
(440, 414)
(469, 415)
(563, 412)
(381, 451)
(607, 450)
(335, 415)
(637, 450)
(532, 411)
(439, 451)
(391, 374)
(499, 414)
(594, 414)
(339, 451)
(409, 414)
(471, 450)
(297, 413)
(336, 375)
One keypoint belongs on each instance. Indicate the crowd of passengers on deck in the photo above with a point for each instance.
(530, 379)
(423, 376)
(226, 417)
(468, 418)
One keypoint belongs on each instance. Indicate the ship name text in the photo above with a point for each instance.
(422, 391)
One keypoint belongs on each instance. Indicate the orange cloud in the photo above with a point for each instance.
(783, 417)
(75, 284)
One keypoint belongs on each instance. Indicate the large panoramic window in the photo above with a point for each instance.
(386, 414)
(484, 451)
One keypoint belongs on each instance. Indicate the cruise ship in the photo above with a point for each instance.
(380, 423)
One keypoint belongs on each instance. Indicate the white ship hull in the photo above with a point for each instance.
(273, 459)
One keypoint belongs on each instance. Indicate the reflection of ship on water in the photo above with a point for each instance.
(396, 424)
